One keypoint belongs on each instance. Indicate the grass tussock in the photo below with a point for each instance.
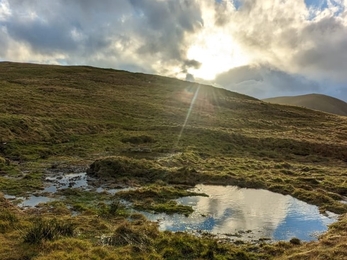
(8, 220)
(47, 230)
(158, 198)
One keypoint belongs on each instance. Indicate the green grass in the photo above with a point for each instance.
(129, 128)
(310, 182)
(47, 229)
(158, 198)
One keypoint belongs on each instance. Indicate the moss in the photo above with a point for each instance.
(158, 198)
(86, 201)
(20, 185)
(169, 207)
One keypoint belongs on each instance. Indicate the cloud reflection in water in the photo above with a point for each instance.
(230, 209)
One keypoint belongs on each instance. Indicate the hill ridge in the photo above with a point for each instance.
(313, 101)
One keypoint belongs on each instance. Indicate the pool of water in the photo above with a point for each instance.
(64, 181)
(247, 214)
(33, 201)
(54, 183)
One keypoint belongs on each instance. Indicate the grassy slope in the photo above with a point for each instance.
(52, 113)
(313, 101)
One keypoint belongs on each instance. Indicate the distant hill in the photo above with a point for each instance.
(313, 101)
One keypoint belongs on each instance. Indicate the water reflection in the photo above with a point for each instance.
(64, 181)
(249, 213)
(33, 201)
(58, 182)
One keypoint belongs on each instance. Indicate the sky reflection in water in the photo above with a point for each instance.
(229, 210)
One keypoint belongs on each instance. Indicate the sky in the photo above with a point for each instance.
(262, 48)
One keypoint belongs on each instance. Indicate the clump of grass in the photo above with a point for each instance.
(169, 207)
(19, 184)
(159, 198)
(84, 201)
(119, 167)
(7, 215)
(295, 241)
(110, 210)
(127, 234)
(8, 220)
(48, 229)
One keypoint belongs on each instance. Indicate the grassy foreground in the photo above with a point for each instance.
(164, 135)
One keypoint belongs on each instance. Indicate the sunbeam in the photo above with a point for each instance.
(188, 114)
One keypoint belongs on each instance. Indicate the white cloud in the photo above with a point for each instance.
(5, 11)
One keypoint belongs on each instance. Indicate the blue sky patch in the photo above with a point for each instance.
(320, 5)
(236, 3)
(316, 4)
(323, 4)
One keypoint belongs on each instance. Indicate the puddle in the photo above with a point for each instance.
(58, 182)
(113, 191)
(64, 181)
(229, 212)
(247, 214)
(110, 191)
(9, 197)
(33, 201)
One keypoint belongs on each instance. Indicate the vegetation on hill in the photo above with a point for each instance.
(313, 101)
(164, 135)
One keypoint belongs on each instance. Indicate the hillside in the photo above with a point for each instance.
(163, 135)
(313, 101)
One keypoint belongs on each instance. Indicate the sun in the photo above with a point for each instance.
(217, 52)
(215, 46)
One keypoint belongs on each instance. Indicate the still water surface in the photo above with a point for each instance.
(247, 214)
(229, 211)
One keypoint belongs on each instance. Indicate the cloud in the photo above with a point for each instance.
(281, 43)
(190, 77)
(294, 37)
(327, 55)
(293, 47)
(264, 82)
(147, 34)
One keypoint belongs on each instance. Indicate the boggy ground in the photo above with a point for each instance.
(145, 131)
